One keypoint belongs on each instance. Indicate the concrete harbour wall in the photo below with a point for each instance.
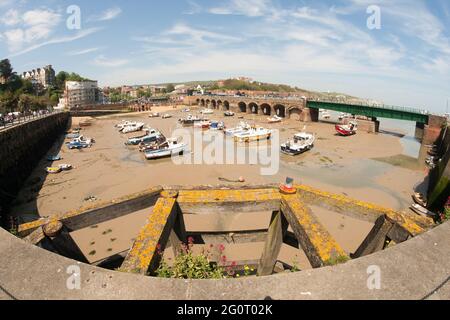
(21, 149)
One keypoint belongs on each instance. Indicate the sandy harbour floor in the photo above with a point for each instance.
(343, 165)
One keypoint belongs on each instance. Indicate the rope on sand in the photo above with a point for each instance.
(241, 179)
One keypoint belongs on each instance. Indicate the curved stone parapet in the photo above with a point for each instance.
(416, 269)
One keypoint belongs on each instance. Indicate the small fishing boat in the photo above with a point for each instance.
(80, 143)
(53, 170)
(207, 111)
(54, 158)
(302, 142)
(65, 167)
(217, 125)
(150, 136)
(274, 119)
(229, 114)
(205, 124)
(167, 116)
(347, 129)
(126, 123)
(254, 134)
(241, 127)
(168, 148)
(135, 127)
(186, 110)
(422, 211)
(72, 136)
(419, 199)
(190, 120)
(154, 115)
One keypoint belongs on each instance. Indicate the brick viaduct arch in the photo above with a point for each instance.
(253, 108)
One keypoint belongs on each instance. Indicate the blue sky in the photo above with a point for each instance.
(317, 45)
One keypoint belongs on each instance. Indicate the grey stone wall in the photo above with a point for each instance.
(21, 148)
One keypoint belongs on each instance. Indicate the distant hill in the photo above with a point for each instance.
(256, 86)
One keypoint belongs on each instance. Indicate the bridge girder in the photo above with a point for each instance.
(370, 111)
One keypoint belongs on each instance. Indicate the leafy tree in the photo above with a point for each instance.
(170, 88)
(6, 70)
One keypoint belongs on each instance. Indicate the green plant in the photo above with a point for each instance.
(248, 271)
(188, 265)
(336, 260)
(14, 231)
(295, 267)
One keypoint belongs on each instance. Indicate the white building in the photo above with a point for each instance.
(79, 94)
(41, 76)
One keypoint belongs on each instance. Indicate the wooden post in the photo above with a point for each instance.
(277, 229)
(61, 240)
(317, 243)
(153, 237)
(376, 238)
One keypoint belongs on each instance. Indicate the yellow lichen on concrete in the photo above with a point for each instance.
(323, 244)
(414, 224)
(27, 228)
(146, 245)
(218, 196)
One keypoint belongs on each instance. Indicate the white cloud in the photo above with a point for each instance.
(35, 25)
(194, 8)
(83, 33)
(108, 14)
(103, 61)
(82, 52)
(194, 34)
(250, 8)
(4, 3)
(11, 18)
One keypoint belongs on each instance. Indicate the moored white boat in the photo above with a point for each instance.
(168, 148)
(253, 134)
(190, 120)
(135, 127)
(301, 142)
(207, 111)
(347, 129)
(422, 211)
(274, 119)
(228, 114)
(241, 127)
(150, 136)
(124, 123)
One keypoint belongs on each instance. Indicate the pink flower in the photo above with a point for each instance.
(221, 248)
(191, 240)
(224, 259)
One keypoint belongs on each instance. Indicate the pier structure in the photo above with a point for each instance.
(292, 223)
(420, 251)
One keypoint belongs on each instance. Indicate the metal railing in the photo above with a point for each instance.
(20, 119)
